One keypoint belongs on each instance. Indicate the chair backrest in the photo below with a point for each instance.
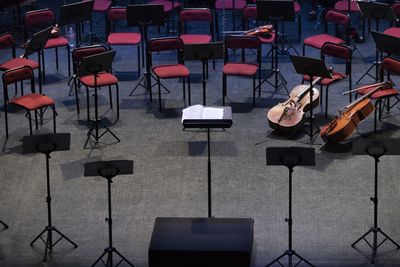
(195, 14)
(249, 12)
(396, 9)
(84, 51)
(337, 17)
(165, 44)
(7, 41)
(242, 41)
(116, 13)
(39, 18)
(391, 65)
(337, 50)
(17, 74)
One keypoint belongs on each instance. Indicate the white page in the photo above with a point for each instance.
(213, 113)
(192, 113)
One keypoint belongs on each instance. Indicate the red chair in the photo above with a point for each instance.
(7, 41)
(103, 79)
(382, 97)
(337, 51)
(347, 6)
(195, 15)
(167, 71)
(394, 31)
(331, 17)
(123, 38)
(30, 102)
(232, 5)
(243, 68)
(40, 19)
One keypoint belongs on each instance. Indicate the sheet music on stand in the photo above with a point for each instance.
(199, 116)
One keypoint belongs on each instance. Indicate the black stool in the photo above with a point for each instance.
(290, 157)
(108, 170)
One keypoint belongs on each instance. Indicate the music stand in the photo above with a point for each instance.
(36, 45)
(108, 170)
(378, 12)
(92, 65)
(4, 224)
(376, 148)
(204, 52)
(76, 13)
(47, 144)
(290, 157)
(386, 43)
(311, 67)
(221, 123)
(144, 16)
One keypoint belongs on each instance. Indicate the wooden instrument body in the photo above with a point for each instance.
(345, 125)
(286, 116)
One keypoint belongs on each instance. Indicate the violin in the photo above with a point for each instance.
(263, 31)
(346, 123)
(286, 116)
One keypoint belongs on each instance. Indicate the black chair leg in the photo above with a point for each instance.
(28, 115)
(76, 96)
(110, 95)
(87, 104)
(159, 93)
(6, 117)
(254, 91)
(189, 93)
(117, 87)
(54, 118)
(223, 89)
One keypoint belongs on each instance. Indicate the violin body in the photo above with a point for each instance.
(344, 125)
(286, 116)
(264, 31)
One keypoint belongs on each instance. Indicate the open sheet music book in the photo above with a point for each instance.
(199, 112)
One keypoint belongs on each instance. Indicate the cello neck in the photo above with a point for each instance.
(377, 86)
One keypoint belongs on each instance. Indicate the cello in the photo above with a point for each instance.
(346, 123)
(287, 116)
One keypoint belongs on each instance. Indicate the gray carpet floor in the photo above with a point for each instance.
(331, 200)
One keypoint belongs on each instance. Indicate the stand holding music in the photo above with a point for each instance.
(207, 118)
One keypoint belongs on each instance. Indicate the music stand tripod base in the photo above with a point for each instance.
(4, 224)
(290, 157)
(376, 148)
(46, 144)
(109, 170)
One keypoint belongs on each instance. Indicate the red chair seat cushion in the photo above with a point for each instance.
(171, 71)
(195, 38)
(56, 42)
(318, 41)
(101, 5)
(343, 5)
(336, 76)
(124, 38)
(167, 4)
(240, 69)
(228, 4)
(19, 62)
(33, 101)
(394, 31)
(103, 79)
(380, 93)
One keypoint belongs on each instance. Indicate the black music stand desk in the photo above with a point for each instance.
(204, 52)
(76, 13)
(47, 144)
(109, 170)
(290, 157)
(193, 117)
(200, 242)
(378, 12)
(311, 67)
(386, 44)
(144, 16)
(376, 148)
(92, 65)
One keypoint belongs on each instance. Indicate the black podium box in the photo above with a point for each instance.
(205, 242)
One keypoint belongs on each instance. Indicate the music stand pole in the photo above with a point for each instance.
(4, 224)
(109, 170)
(375, 149)
(290, 157)
(46, 144)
